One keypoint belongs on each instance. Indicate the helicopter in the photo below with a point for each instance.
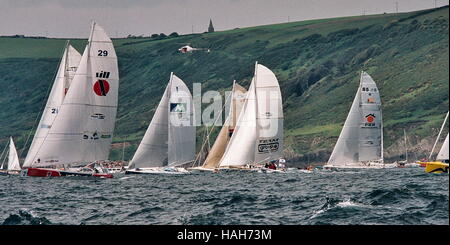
(189, 49)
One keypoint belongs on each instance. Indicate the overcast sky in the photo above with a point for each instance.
(71, 18)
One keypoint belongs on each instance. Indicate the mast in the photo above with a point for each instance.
(439, 135)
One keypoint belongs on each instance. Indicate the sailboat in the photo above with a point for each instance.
(360, 144)
(78, 121)
(13, 166)
(442, 158)
(169, 142)
(258, 134)
(211, 163)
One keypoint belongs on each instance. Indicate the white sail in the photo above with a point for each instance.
(258, 136)
(67, 68)
(269, 116)
(13, 160)
(152, 151)
(443, 153)
(361, 137)
(82, 130)
(181, 140)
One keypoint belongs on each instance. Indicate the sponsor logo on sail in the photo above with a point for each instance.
(98, 116)
(370, 120)
(269, 145)
(178, 107)
(101, 87)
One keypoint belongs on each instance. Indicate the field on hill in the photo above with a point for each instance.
(317, 63)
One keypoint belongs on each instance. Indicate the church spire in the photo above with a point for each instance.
(211, 27)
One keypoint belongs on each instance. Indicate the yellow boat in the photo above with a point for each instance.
(436, 167)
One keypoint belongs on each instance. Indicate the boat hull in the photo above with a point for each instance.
(375, 166)
(168, 171)
(436, 167)
(46, 172)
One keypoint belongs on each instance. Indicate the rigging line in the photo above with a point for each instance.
(210, 132)
(44, 103)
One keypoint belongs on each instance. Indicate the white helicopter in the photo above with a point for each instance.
(189, 49)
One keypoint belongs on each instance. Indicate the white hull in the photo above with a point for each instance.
(203, 169)
(158, 170)
(361, 166)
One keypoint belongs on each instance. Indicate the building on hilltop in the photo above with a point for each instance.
(211, 27)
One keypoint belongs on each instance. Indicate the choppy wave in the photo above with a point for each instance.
(385, 196)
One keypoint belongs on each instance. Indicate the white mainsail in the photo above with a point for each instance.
(443, 153)
(361, 138)
(13, 160)
(181, 124)
(258, 136)
(170, 137)
(82, 130)
(67, 68)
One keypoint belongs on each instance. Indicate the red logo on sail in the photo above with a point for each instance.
(370, 118)
(101, 87)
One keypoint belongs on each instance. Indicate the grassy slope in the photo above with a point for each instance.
(317, 63)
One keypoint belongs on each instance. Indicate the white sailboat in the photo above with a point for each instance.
(78, 122)
(258, 135)
(360, 144)
(13, 165)
(169, 142)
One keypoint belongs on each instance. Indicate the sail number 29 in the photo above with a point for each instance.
(102, 52)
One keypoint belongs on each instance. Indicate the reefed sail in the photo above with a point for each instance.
(361, 138)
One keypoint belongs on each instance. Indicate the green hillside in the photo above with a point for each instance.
(317, 63)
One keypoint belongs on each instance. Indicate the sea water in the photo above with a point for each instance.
(361, 196)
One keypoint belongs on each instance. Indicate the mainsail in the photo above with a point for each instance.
(218, 149)
(67, 68)
(361, 138)
(170, 137)
(13, 160)
(258, 136)
(443, 153)
(82, 129)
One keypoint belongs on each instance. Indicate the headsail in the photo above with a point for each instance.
(82, 130)
(67, 68)
(361, 137)
(152, 151)
(13, 160)
(443, 153)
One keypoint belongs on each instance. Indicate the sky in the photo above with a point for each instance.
(72, 18)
